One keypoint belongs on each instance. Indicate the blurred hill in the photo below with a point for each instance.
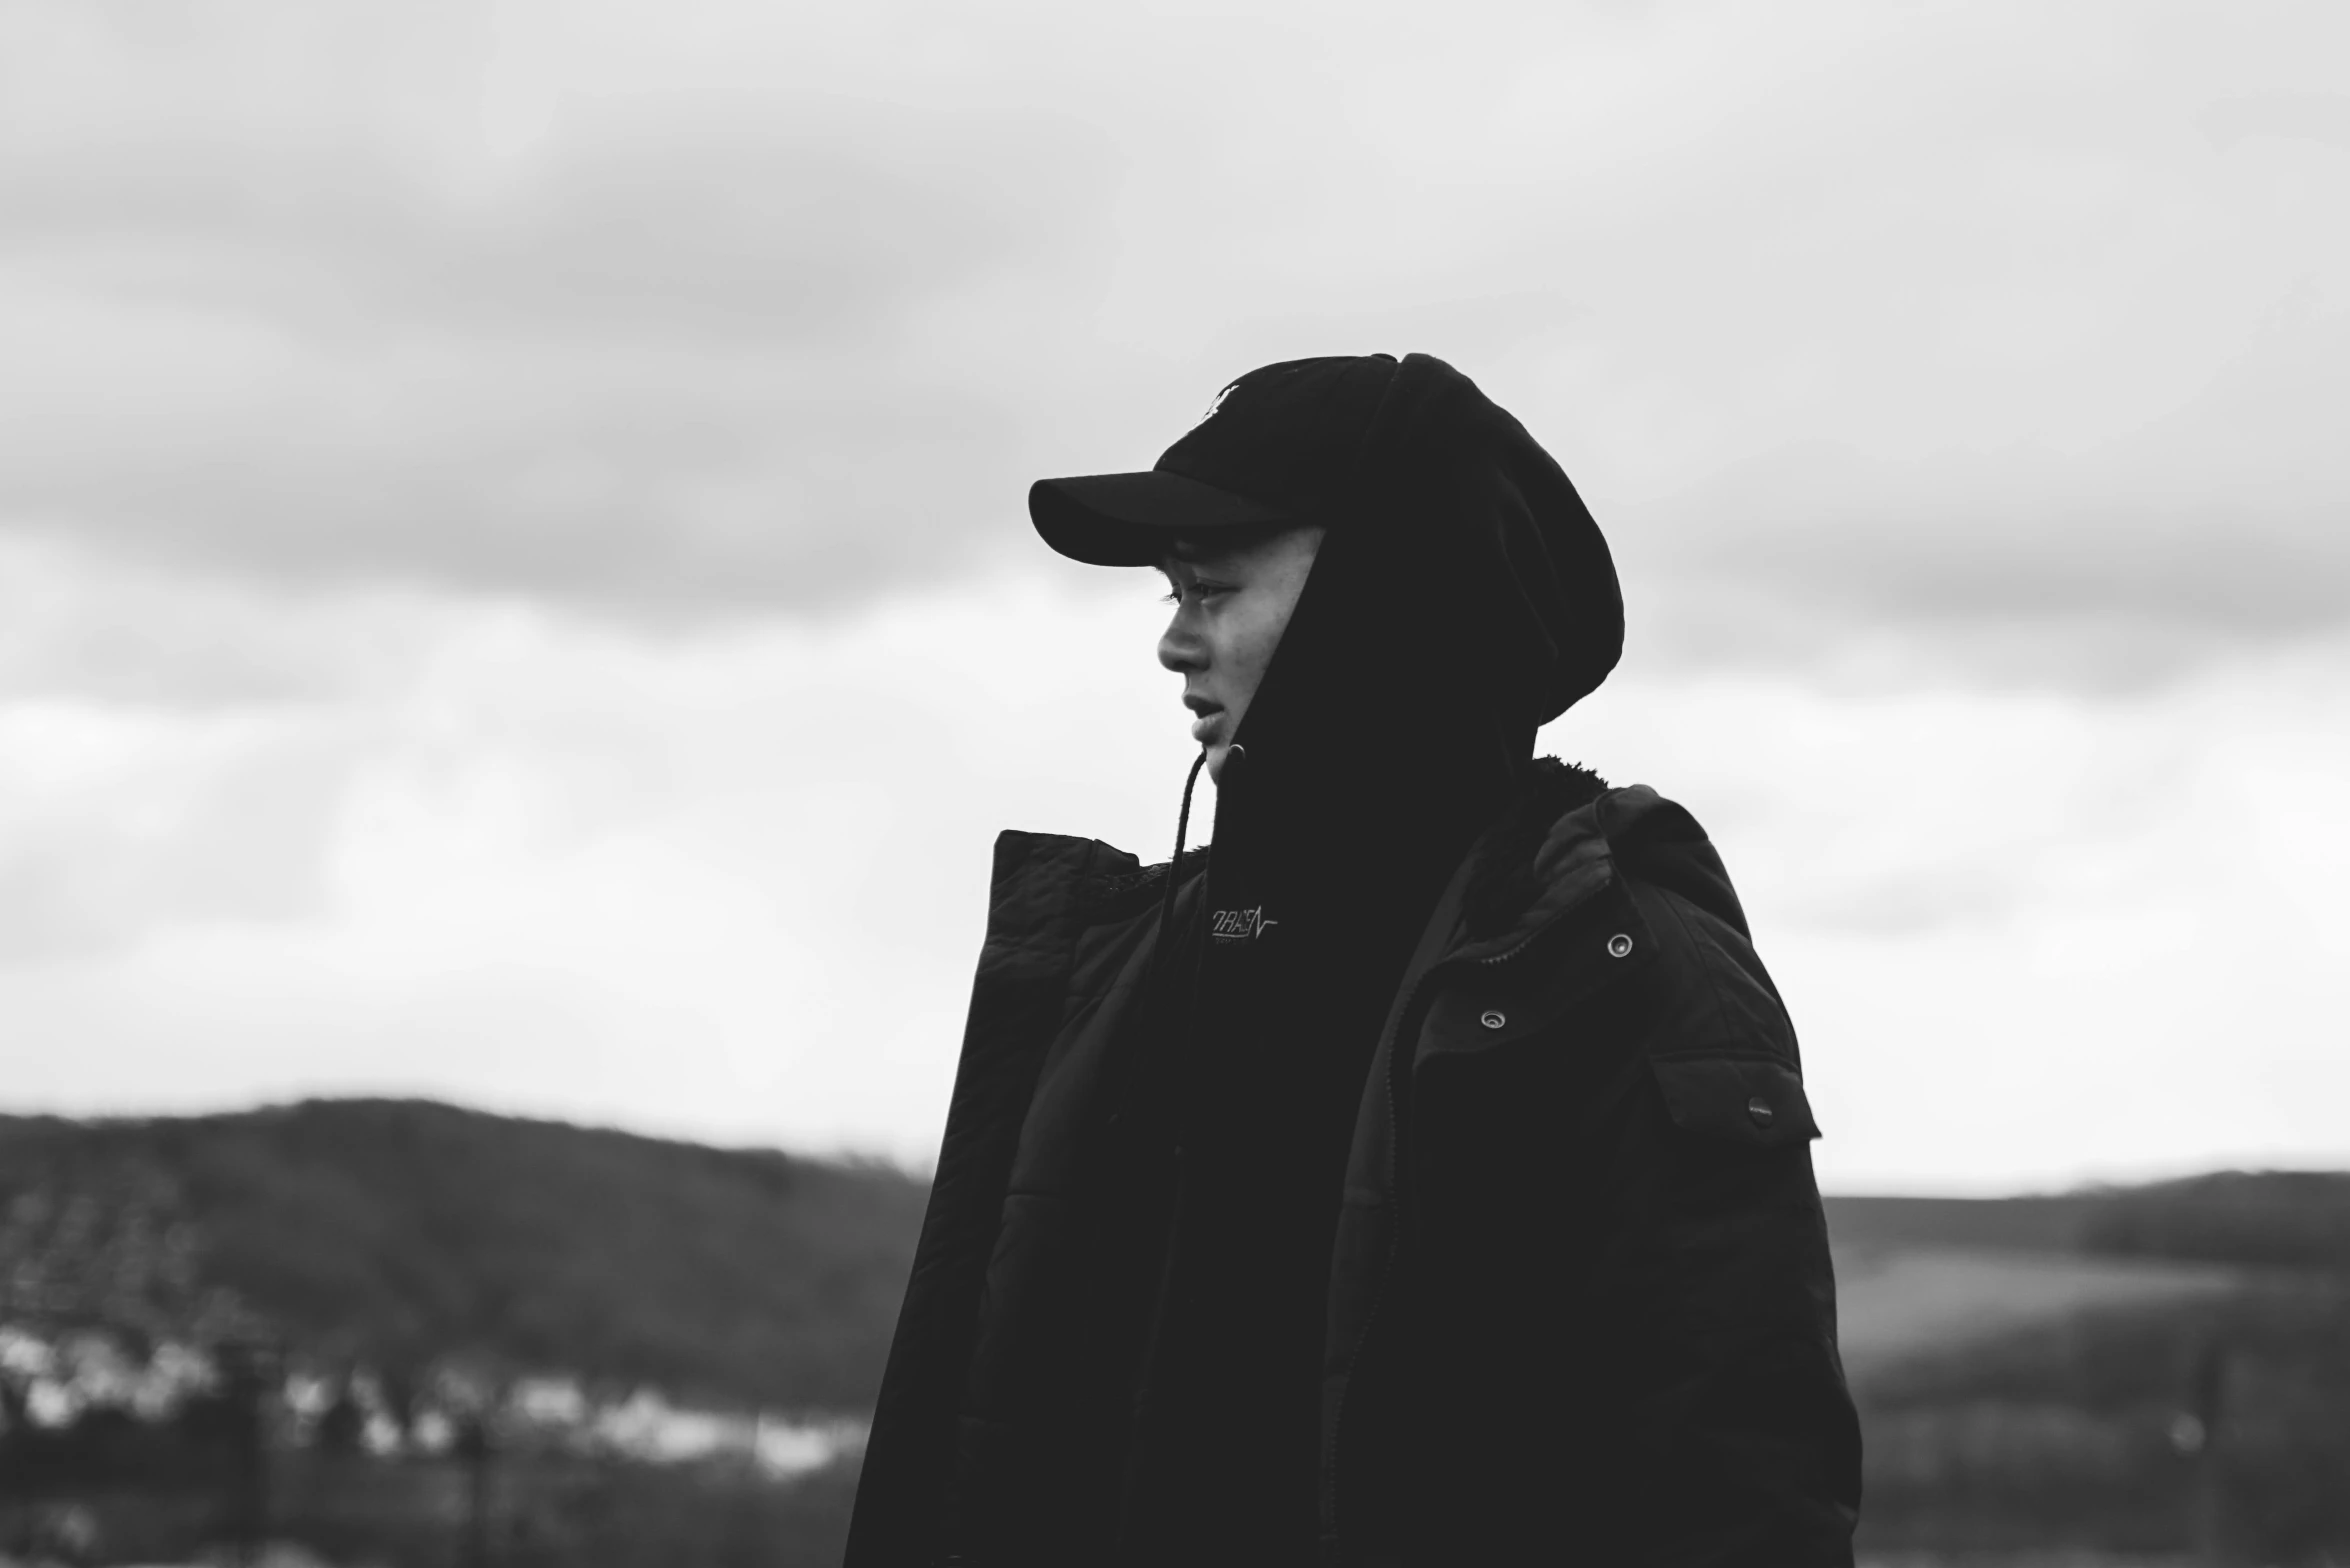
(403, 1233)
(2034, 1224)
(1925, 1276)
(2272, 1219)
(2155, 1370)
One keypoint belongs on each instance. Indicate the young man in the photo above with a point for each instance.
(1420, 1174)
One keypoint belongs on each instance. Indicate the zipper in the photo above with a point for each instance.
(1387, 1261)
(1407, 1029)
(1408, 1022)
(1139, 1424)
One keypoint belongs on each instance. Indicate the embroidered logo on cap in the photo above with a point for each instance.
(1216, 404)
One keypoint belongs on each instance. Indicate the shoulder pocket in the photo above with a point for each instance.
(1748, 1101)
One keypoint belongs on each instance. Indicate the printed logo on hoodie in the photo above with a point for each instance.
(1240, 925)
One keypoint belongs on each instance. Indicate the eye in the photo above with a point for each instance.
(1200, 589)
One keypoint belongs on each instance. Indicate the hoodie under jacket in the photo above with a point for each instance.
(1580, 1305)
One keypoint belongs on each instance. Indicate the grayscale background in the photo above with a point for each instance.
(515, 593)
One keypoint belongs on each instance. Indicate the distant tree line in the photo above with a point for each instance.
(407, 1234)
(2215, 1428)
(2269, 1219)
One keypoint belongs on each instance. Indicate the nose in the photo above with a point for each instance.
(1180, 646)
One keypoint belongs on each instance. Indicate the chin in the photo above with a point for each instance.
(1217, 752)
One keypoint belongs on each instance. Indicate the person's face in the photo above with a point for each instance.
(1232, 599)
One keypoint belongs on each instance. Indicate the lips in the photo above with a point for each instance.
(1208, 716)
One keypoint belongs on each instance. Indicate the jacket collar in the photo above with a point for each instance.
(1546, 854)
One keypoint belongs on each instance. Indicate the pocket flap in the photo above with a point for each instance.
(1748, 1100)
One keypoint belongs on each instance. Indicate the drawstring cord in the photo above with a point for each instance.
(1175, 866)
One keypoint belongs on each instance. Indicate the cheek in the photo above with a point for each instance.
(1253, 640)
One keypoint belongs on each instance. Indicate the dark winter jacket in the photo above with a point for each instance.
(1579, 1304)
(1452, 1080)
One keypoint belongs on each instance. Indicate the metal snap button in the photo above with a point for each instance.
(1760, 1109)
(1491, 1019)
(1618, 945)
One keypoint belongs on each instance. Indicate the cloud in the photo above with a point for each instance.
(2323, 118)
(655, 359)
(117, 826)
(2216, 526)
(731, 884)
(712, 312)
(513, 582)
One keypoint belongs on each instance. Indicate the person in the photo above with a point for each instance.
(1419, 1173)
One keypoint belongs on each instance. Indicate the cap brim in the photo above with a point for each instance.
(1132, 519)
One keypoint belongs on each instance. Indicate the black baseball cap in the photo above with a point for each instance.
(1276, 447)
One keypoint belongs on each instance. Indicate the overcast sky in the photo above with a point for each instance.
(514, 582)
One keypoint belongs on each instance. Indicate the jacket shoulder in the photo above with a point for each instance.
(1570, 834)
(1658, 842)
(1627, 863)
(1668, 869)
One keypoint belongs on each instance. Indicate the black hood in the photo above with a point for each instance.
(1462, 598)
(1475, 537)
